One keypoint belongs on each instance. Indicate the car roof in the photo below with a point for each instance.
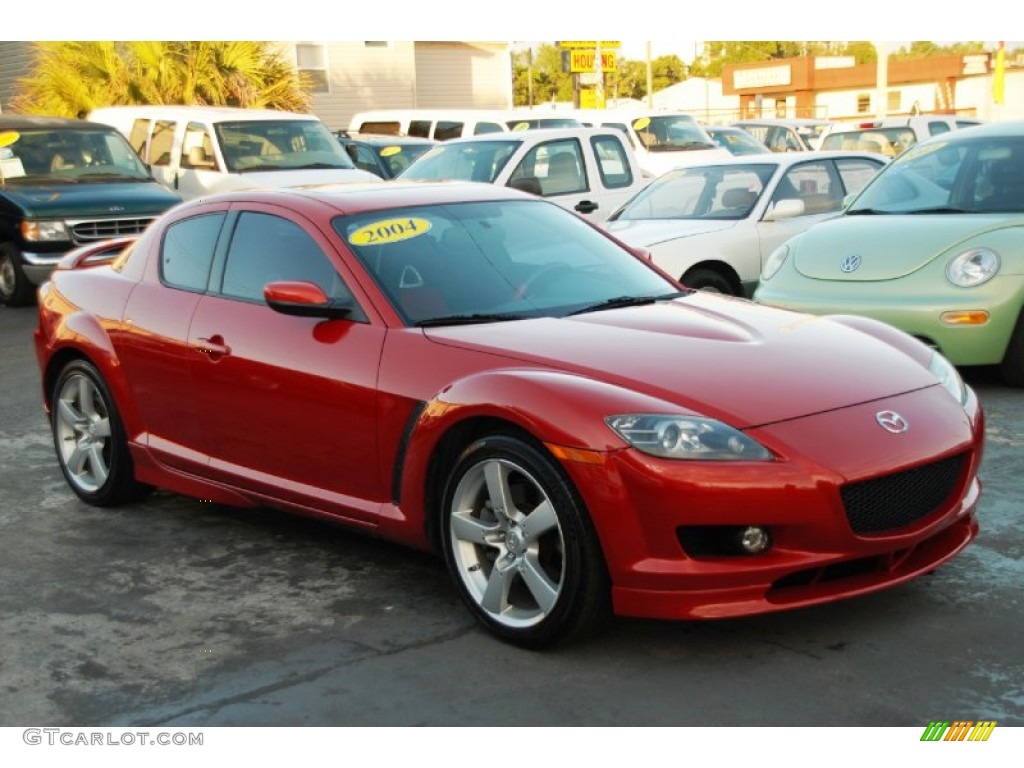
(539, 134)
(361, 197)
(25, 122)
(384, 139)
(783, 159)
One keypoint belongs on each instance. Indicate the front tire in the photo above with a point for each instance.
(1012, 366)
(704, 279)
(89, 438)
(16, 290)
(520, 546)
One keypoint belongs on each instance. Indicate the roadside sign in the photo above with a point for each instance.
(582, 60)
(589, 44)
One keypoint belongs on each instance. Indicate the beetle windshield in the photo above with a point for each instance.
(495, 260)
(968, 175)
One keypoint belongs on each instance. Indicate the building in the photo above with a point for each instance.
(352, 76)
(837, 88)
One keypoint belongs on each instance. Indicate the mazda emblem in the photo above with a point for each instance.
(891, 421)
(850, 263)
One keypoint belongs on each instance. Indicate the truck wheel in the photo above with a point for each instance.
(15, 288)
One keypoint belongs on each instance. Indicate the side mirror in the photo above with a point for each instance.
(303, 299)
(786, 208)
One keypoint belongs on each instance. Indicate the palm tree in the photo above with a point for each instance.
(72, 78)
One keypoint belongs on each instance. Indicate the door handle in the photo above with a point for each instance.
(213, 347)
(586, 206)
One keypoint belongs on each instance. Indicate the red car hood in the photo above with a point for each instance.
(753, 366)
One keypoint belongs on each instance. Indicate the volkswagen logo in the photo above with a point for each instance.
(850, 263)
(891, 421)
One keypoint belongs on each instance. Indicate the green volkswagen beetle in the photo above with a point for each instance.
(933, 245)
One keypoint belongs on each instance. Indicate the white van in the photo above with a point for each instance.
(661, 140)
(199, 151)
(445, 124)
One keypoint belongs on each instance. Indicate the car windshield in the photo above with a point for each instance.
(671, 133)
(701, 192)
(69, 155)
(457, 161)
(977, 175)
(279, 145)
(398, 157)
(884, 141)
(496, 261)
(738, 142)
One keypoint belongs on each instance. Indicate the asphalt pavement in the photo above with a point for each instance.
(174, 612)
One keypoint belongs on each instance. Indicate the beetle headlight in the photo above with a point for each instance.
(973, 267)
(44, 231)
(948, 376)
(775, 262)
(686, 437)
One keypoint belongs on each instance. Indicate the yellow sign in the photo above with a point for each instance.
(588, 44)
(590, 100)
(389, 151)
(583, 60)
(9, 137)
(389, 231)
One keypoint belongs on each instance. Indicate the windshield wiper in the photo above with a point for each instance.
(941, 209)
(618, 302)
(325, 165)
(479, 317)
(866, 212)
(110, 176)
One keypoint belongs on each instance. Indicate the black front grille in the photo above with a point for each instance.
(107, 229)
(898, 500)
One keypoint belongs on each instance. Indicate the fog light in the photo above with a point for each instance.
(967, 317)
(754, 539)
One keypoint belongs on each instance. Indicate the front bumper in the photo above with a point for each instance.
(640, 504)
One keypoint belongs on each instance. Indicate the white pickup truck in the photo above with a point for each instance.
(591, 171)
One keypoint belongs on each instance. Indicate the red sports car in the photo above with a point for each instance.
(475, 371)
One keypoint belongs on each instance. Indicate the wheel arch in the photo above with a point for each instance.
(719, 267)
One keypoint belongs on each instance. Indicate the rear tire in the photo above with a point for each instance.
(89, 438)
(16, 290)
(1012, 366)
(520, 546)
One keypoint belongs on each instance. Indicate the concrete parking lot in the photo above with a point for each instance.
(173, 612)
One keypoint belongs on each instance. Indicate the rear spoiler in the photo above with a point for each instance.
(101, 252)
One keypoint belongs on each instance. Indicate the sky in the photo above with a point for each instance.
(631, 23)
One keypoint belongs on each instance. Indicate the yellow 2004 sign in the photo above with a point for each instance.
(389, 231)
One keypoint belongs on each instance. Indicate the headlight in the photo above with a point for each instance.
(686, 437)
(948, 376)
(973, 267)
(38, 231)
(775, 262)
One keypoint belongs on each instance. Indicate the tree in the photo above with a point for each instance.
(70, 79)
(549, 82)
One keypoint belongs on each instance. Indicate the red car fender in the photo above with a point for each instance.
(564, 411)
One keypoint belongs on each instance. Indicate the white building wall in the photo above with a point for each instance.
(463, 75)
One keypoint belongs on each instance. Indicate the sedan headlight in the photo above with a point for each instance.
(973, 267)
(44, 231)
(686, 437)
(775, 262)
(948, 376)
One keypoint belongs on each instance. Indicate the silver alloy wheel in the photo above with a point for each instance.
(82, 427)
(507, 543)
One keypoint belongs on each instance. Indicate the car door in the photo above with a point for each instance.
(153, 343)
(817, 184)
(560, 169)
(287, 404)
(199, 171)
